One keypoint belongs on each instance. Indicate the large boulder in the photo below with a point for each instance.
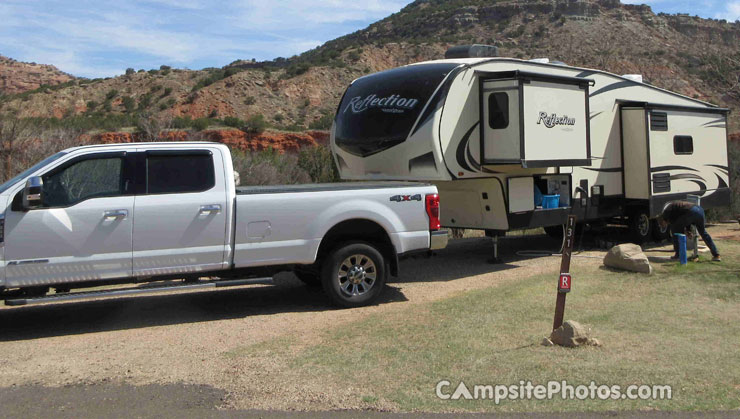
(572, 334)
(628, 257)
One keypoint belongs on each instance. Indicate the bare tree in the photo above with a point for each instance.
(14, 131)
(150, 126)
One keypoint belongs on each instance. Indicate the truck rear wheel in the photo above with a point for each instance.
(640, 226)
(353, 274)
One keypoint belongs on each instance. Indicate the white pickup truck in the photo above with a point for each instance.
(108, 215)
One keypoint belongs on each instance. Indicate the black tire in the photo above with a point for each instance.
(659, 233)
(364, 278)
(640, 226)
(556, 232)
(310, 278)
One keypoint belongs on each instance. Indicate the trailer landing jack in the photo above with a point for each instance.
(495, 259)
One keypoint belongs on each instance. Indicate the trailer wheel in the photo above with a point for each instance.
(660, 234)
(353, 274)
(640, 226)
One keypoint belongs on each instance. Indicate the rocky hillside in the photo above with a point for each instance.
(694, 56)
(19, 77)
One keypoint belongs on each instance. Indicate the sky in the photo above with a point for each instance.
(100, 38)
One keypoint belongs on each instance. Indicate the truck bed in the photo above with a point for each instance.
(323, 187)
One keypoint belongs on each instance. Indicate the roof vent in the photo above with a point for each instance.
(540, 60)
(634, 77)
(472, 51)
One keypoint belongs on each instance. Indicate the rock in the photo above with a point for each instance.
(628, 257)
(546, 342)
(19, 77)
(571, 334)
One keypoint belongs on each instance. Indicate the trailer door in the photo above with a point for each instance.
(500, 120)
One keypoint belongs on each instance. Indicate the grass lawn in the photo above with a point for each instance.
(679, 327)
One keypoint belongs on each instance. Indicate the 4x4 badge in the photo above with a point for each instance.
(406, 198)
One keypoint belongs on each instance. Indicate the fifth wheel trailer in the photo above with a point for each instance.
(496, 134)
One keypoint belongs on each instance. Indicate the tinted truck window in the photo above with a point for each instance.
(180, 173)
(86, 179)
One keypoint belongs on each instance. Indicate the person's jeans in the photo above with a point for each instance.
(696, 217)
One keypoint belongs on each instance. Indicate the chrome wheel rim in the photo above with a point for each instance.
(663, 229)
(357, 275)
(644, 225)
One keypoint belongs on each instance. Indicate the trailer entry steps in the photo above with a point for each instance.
(137, 290)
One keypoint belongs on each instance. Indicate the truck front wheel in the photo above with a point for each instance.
(353, 274)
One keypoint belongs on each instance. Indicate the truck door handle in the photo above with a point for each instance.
(122, 213)
(210, 209)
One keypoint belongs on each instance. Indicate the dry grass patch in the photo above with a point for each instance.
(678, 327)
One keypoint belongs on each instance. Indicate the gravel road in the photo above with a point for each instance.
(176, 344)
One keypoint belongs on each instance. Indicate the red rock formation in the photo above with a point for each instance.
(280, 141)
(19, 77)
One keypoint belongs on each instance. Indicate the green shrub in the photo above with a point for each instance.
(319, 164)
(167, 91)
(130, 71)
(256, 124)
(128, 103)
(232, 121)
(111, 94)
(214, 76)
(250, 100)
(295, 69)
(145, 101)
(201, 123)
(323, 123)
(182, 122)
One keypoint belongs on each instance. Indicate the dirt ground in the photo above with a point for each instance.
(187, 339)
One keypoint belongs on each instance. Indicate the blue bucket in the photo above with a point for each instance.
(550, 201)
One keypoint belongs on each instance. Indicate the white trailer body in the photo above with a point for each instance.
(488, 131)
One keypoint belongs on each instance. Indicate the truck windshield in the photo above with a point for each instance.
(378, 111)
(7, 185)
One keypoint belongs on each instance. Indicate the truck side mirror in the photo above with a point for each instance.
(33, 193)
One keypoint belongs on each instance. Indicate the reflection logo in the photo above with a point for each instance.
(552, 120)
(388, 104)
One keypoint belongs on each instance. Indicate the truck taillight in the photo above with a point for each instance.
(432, 205)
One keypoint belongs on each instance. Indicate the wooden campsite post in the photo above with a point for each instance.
(564, 282)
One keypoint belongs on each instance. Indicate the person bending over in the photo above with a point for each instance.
(680, 215)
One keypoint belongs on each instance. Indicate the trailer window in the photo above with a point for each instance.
(658, 121)
(185, 173)
(683, 144)
(498, 110)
